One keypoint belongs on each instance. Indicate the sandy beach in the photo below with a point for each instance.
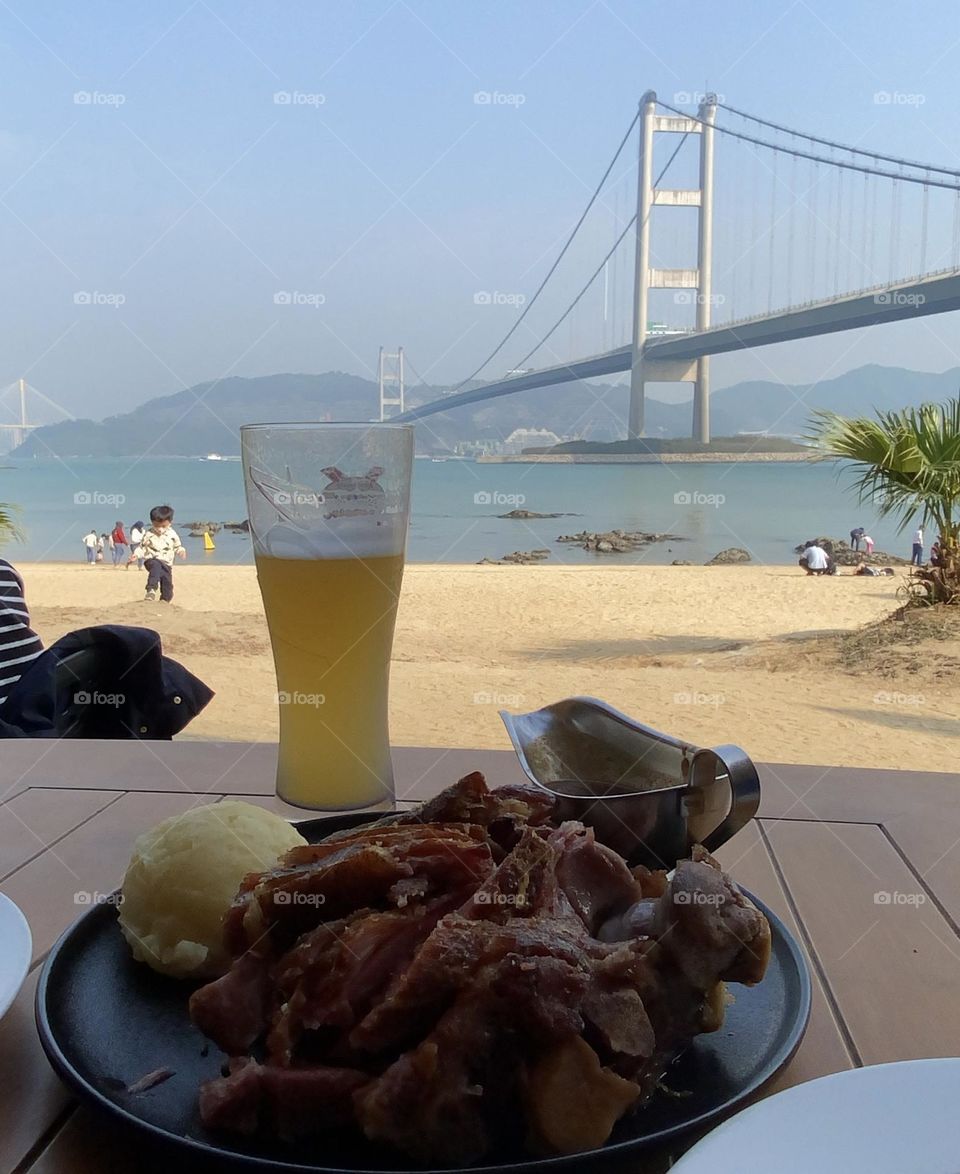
(714, 654)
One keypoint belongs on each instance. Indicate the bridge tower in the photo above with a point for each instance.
(390, 381)
(645, 368)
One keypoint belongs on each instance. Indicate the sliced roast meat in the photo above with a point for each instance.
(525, 883)
(300, 1102)
(291, 1102)
(709, 928)
(232, 1102)
(233, 1010)
(597, 882)
(307, 890)
(468, 976)
(334, 985)
(503, 812)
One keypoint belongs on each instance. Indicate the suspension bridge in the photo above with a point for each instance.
(811, 237)
(13, 403)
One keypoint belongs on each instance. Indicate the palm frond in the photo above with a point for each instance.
(10, 529)
(904, 463)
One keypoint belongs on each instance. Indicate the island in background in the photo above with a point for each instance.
(651, 450)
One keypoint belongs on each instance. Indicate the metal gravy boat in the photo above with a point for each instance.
(648, 795)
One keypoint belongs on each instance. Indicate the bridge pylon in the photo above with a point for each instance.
(390, 381)
(697, 281)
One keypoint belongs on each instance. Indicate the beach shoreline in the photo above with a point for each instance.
(711, 654)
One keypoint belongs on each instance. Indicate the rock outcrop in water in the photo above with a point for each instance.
(733, 554)
(525, 515)
(518, 556)
(844, 555)
(616, 541)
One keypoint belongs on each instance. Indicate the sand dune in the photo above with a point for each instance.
(703, 652)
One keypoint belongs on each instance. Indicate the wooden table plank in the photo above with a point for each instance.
(33, 1096)
(839, 794)
(836, 794)
(932, 847)
(824, 1048)
(242, 768)
(90, 860)
(181, 765)
(893, 967)
(36, 819)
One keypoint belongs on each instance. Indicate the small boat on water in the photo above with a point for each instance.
(213, 456)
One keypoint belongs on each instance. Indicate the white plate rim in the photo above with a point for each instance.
(703, 1151)
(16, 964)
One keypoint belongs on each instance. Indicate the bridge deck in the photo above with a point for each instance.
(935, 294)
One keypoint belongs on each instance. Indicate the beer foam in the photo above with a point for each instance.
(352, 516)
(367, 536)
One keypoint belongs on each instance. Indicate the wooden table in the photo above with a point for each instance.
(861, 864)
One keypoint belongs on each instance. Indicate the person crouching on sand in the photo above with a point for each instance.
(161, 545)
(815, 560)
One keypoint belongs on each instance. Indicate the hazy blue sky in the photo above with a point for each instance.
(146, 160)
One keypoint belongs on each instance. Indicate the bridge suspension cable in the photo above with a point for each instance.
(596, 273)
(846, 165)
(528, 306)
(924, 221)
(799, 134)
(955, 254)
(771, 267)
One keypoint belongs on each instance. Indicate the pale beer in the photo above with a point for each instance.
(331, 624)
(328, 507)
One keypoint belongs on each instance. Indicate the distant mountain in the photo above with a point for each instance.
(761, 406)
(206, 418)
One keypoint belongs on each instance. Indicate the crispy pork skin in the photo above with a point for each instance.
(466, 978)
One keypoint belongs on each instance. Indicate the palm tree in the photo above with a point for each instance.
(906, 463)
(9, 527)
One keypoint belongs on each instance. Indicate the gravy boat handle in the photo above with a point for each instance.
(744, 789)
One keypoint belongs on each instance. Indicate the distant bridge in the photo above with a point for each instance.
(849, 218)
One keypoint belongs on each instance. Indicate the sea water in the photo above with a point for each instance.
(765, 507)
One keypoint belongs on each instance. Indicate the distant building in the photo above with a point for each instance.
(475, 448)
(521, 438)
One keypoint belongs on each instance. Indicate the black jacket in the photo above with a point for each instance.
(103, 682)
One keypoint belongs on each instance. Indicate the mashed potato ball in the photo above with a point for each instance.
(183, 876)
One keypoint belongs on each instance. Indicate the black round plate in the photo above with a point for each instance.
(105, 1021)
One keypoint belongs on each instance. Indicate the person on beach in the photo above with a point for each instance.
(868, 543)
(936, 552)
(855, 536)
(815, 560)
(19, 643)
(90, 546)
(161, 545)
(102, 546)
(136, 550)
(916, 558)
(119, 543)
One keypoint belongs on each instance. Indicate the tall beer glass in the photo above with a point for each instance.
(328, 507)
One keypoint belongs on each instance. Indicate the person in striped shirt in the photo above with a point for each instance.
(19, 644)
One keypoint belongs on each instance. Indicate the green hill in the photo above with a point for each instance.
(206, 418)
